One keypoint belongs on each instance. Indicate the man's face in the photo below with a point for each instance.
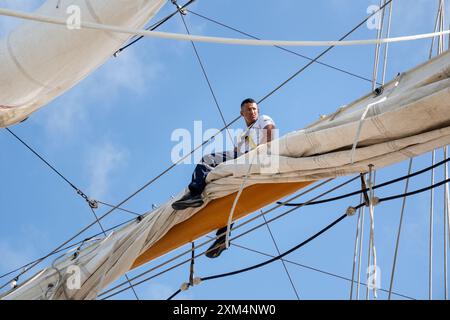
(250, 112)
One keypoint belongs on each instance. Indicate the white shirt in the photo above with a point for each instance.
(254, 134)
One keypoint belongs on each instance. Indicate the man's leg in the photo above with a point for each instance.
(198, 181)
(218, 245)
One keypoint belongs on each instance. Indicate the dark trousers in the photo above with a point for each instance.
(209, 162)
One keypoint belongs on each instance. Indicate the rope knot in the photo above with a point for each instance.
(350, 211)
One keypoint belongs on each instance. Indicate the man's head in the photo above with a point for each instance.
(249, 111)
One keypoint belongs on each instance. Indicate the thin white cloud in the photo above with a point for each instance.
(127, 72)
(103, 161)
(158, 291)
(23, 248)
(13, 256)
(62, 120)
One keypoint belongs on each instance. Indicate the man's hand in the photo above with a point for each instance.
(268, 133)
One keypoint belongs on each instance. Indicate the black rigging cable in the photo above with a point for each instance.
(194, 47)
(78, 190)
(154, 26)
(367, 189)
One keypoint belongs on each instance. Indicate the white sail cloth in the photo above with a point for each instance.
(40, 61)
(410, 117)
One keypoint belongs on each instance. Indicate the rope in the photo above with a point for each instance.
(362, 212)
(355, 254)
(377, 47)
(360, 124)
(446, 212)
(252, 42)
(430, 259)
(386, 47)
(233, 207)
(372, 249)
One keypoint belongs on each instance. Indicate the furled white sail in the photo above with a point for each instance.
(410, 117)
(40, 61)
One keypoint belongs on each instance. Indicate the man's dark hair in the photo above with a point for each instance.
(248, 100)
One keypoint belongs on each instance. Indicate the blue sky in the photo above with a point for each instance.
(112, 133)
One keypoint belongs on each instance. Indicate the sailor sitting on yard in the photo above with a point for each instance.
(259, 131)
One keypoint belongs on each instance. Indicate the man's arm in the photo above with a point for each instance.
(268, 133)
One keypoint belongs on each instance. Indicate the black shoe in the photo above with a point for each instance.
(216, 248)
(188, 201)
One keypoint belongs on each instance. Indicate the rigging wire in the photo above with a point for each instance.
(372, 254)
(211, 90)
(430, 259)
(314, 269)
(282, 261)
(402, 211)
(78, 190)
(355, 254)
(279, 47)
(154, 27)
(362, 212)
